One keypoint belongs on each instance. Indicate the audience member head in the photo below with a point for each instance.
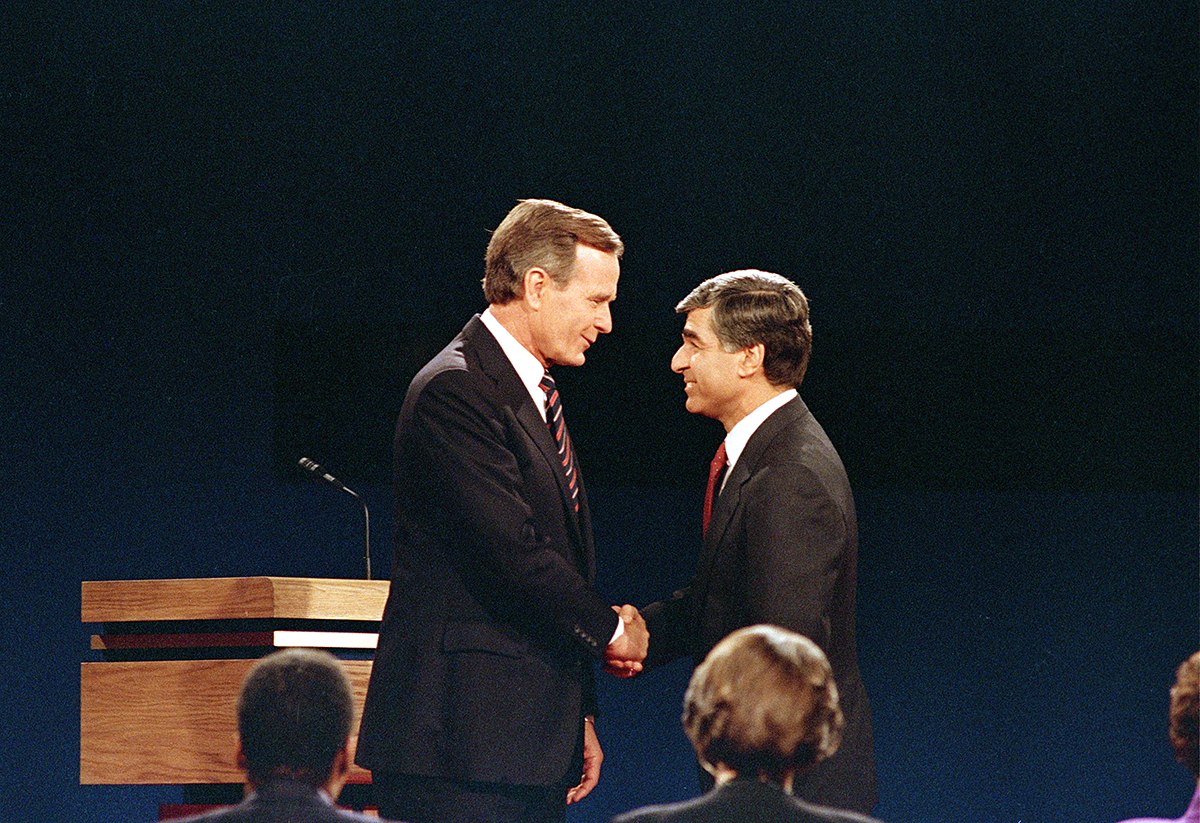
(541, 234)
(763, 703)
(294, 715)
(749, 307)
(1184, 713)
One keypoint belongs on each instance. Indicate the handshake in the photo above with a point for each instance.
(623, 657)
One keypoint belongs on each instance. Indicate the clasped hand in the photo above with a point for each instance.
(624, 656)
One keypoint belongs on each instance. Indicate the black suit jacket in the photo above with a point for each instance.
(484, 665)
(282, 801)
(744, 801)
(782, 548)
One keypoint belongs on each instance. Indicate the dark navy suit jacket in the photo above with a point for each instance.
(484, 666)
(745, 801)
(283, 801)
(782, 548)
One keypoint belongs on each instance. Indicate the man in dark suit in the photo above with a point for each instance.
(294, 714)
(761, 710)
(780, 540)
(482, 694)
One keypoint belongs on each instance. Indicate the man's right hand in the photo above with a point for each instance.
(624, 656)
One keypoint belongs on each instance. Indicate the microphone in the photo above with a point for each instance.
(315, 469)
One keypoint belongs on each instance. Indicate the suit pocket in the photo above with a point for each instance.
(480, 637)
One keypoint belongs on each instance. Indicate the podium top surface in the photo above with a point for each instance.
(233, 598)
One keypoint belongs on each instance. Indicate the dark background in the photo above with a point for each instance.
(236, 229)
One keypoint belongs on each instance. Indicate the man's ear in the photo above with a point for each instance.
(242, 763)
(750, 359)
(339, 772)
(536, 281)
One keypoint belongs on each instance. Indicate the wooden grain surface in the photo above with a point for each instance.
(171, 721)
(233, 598)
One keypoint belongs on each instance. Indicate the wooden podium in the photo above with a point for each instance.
(161, 706)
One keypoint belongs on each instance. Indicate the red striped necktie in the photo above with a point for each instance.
(714, 471)
(558, 427)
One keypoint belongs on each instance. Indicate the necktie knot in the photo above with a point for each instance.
(719, 460)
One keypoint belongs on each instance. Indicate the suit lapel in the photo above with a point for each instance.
(518, 400)
(729, 501)
(539, 433)
(513, 392)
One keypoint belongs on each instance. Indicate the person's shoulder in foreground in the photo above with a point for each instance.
(294, 713)
(283, 801)
(742, 800)
(1184, 730)
(760, 709)
(1192, 815)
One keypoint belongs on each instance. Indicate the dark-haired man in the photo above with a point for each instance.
(780, 542)
(294, 714)
(482, 695)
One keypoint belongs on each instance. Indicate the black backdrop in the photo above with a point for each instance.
(235, 230)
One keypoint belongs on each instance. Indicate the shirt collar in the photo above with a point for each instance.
(528, 367)
(740, 434)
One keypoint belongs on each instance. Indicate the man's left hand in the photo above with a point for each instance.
(592, 758)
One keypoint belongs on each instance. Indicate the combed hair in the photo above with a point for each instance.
(1185, 713)
(763, 702)
(541, 234)
(294, 715)
(751, 307)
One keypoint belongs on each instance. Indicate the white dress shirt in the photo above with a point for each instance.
(744, 429)
(530, 370)
(528, 367)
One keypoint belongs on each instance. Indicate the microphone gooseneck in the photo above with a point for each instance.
(315, 469)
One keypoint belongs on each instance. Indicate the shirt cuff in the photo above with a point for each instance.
(620, 631)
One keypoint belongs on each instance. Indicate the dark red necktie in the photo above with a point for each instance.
(558, 427)
(714, 471)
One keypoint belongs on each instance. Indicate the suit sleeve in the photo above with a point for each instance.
(488, 477)
(795, 539)
(670, 624)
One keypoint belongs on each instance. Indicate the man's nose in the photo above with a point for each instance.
(678, 361)
(604, 322)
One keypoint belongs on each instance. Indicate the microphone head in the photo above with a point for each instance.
(308, 465)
